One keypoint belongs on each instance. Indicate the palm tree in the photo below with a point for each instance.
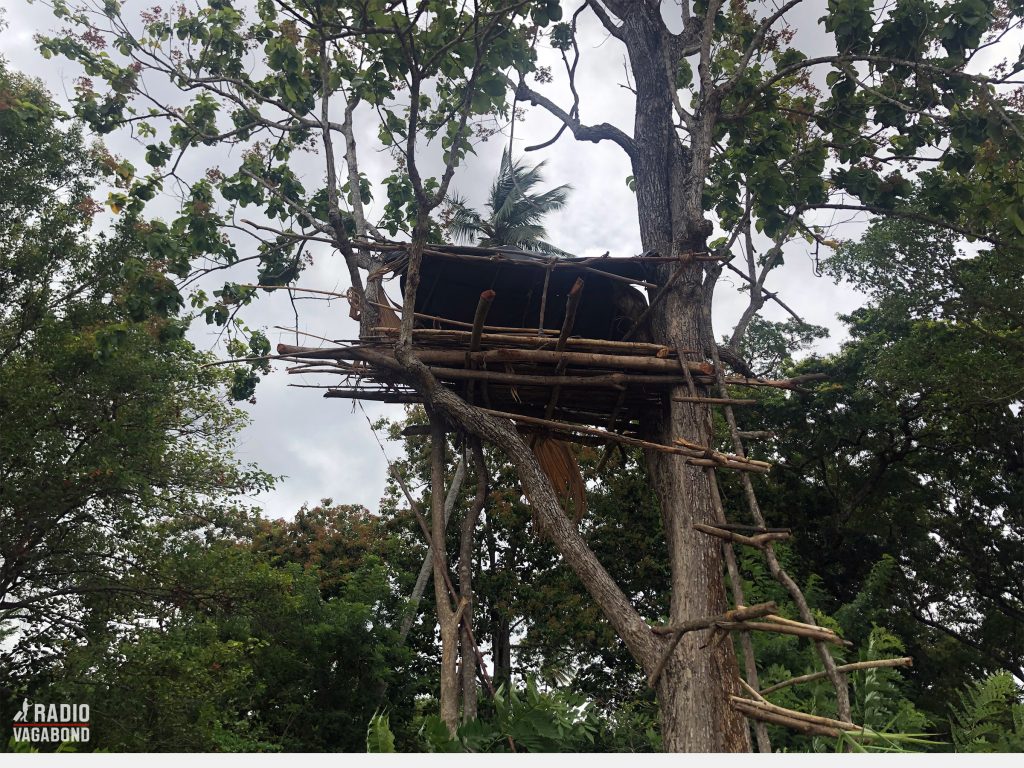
(514, 213)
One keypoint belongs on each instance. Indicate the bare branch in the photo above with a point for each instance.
(594, 133)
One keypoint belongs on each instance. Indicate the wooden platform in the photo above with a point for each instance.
(586, 382)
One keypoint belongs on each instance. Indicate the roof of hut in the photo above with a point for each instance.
(531, 289)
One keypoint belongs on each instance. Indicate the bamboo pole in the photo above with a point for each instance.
(505, 339)
(905, 661)
(694, 457)
(711, 622)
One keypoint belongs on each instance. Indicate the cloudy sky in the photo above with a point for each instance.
(324, 448)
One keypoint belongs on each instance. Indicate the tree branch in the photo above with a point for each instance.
(593, 133)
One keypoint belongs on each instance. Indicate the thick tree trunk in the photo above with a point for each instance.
(693, 691)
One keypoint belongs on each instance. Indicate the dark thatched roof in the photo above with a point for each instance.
(453, 277)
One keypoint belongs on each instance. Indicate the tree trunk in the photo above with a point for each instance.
(693, 691)
(467, 545)
(500, 631)
(447, 619)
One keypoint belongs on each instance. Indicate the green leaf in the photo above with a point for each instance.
(379, 737)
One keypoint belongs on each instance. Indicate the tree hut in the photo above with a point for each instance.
(559, 345)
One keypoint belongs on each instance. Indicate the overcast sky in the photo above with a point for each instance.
(324, 448)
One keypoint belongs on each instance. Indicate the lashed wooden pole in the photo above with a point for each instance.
(775, 568)
(572, 304)
(482, 308)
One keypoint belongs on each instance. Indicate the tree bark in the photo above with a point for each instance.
(447, 618)
(693, 691)
(467, 545)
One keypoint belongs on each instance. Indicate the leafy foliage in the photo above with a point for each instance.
(990, 716)
(115, 438)
(378, 734)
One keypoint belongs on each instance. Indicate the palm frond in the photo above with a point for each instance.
(464, 223)
(516, 214)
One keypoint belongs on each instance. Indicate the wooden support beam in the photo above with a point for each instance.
(751, 528)
(528, 339)
(539, 356)
(483, 306)
(554, 357)
(827, 722)
(376, 395)
(819, 634)
(571, 305)
(460, 324)
(747, 708)
(740, 613)
(720, 458)
(758, 541)
(711, 622)
(603, 381)
(790, 384)
(714, 400)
